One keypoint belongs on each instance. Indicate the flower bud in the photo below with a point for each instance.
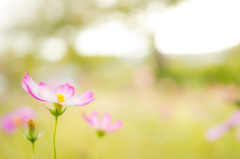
(31, 124)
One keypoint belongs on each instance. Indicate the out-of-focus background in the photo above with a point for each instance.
(169, 69)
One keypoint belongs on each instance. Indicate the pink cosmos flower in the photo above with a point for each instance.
(63, 95)
(216, 132)
(16, 119)
(102, 125)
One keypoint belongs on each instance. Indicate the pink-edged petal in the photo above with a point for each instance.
(95, 120)
(80, 100)
(88, 120)
(234, 119)
(105, 122)
(29, 81)
(8, 124)
(92, 120)
(87, 95)
(24, 86)
(32, 87)
(66, 90)
(35, 94)
(47, 93)
(216, 132)
(117, 125)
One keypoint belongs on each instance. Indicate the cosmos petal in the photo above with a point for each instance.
(234, 119)
(95, 120)
(16, 119)
(31, 86)
(7, 123)
(106, 121)
(80, 100)
(117, 125)
(216, 132)
(88, 120)
(24, 86)
(92, 120)
(66, 90)
(47, 93)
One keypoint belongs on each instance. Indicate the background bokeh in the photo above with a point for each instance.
(169, 69)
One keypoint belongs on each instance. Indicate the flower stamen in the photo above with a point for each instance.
(60, 97)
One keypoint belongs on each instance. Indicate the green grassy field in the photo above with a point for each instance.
(158, 122)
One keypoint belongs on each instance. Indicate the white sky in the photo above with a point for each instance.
(111, 38)
(17, 12)
(194, 27)
(199, 26)
(53, 49)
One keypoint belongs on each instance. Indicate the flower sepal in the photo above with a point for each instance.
(31, 135)
(57, 110)
(100, 133)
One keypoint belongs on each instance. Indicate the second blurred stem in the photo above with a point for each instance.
(33, 149)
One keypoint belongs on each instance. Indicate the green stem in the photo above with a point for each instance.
(33, 150)
(97, 148)
(54, 137)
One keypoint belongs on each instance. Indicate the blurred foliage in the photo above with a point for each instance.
(164, 115)
(226, 72)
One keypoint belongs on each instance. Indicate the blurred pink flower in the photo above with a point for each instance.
(216, 132)
(63, 95)
(102, 125)
(143, 76)
(227, 93)
(16, 119)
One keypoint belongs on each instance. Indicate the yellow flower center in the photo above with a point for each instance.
(60, 97)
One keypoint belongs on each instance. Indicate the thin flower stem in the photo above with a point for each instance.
(54, 137)
(97, 148)
(33, 150)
